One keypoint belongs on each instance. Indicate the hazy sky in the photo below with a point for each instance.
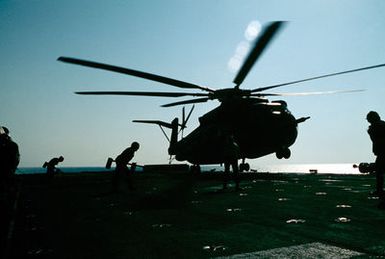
(191, 41)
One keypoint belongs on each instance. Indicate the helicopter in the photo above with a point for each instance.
(259, 127)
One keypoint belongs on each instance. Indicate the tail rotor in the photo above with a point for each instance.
(185, 119)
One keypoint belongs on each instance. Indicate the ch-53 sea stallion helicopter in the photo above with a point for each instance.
(259, 127)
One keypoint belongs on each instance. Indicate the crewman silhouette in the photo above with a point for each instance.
(231, 155)
(51, 166)
(121, 169)
(9, 160)
(376, 132)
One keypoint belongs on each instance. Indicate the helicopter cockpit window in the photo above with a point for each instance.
(282, 103)
(282, 107)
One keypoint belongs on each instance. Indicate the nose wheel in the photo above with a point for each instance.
(283, 153)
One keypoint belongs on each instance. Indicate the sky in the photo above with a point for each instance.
(192, 41)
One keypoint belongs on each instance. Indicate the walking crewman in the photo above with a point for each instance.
(121, 169)
(376, 132)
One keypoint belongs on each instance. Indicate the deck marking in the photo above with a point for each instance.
(310, 250)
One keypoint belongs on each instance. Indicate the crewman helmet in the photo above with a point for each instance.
(135, 145)
(373, 116)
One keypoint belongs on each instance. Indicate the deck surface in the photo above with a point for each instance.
(182, 216)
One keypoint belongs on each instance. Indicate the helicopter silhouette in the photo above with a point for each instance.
(258, 126)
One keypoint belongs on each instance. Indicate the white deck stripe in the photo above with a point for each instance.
(311, 250)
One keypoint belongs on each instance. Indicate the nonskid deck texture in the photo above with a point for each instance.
(183, 216)
(311, 250)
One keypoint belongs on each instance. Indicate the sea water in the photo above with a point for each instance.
(41, 170)
(342, 168)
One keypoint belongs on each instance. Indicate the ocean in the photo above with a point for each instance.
(41, 170)
(344, 168)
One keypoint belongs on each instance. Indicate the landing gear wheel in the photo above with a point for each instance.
(286, 153)
(283, 153)
(244, 167)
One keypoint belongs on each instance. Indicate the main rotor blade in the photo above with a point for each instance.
(158, 122)
(157, 94)
(307, 93)
(260, 89)
(260, 45)
(131, 72)
(198, 100)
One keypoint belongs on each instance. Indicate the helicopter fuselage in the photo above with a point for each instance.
(257, 126)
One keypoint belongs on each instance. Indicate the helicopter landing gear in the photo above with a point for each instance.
(195, 169)
(244, 167)
(283, 153)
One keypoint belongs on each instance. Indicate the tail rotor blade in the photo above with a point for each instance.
(183, 125)
(184, 118)
(189, 114)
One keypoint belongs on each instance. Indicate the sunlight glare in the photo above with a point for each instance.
(242, 48)
(234, 63)
(252, 30)
(236, 60)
